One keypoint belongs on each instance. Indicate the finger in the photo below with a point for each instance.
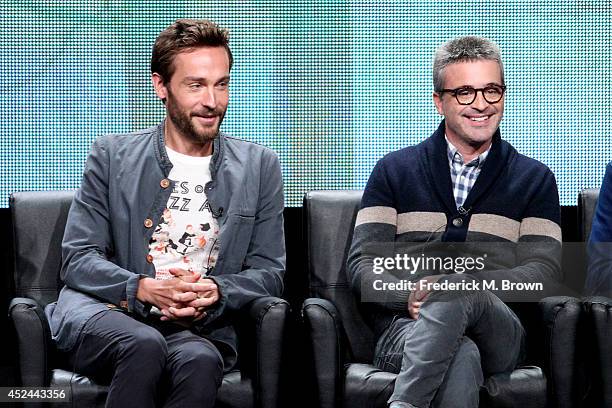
(203, 302)
(421, 294)
(200, 317)
(210, 282)
(417, 295)
(164, 302)
(197, 286)
(208, 293)
(192, 278)
(425, 296)
(178, 272)
(167, 315)
(184, 297)
(182, 312)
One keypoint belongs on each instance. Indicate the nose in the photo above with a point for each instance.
(480, 103)
(209, 99)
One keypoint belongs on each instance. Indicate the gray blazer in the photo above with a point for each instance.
(120, 202)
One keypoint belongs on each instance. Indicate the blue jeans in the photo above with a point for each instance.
(457, 340)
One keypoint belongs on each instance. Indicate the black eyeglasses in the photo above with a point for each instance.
(466, 95)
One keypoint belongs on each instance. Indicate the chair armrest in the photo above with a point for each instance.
(525, 387)
(599, 310)
(560, 317)
(265, 320)
(33, 341)
(324, 325)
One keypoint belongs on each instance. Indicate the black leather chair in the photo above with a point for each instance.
(599, 324)
(38, 223)
(587, 202)
(599, 344)
(343, 345)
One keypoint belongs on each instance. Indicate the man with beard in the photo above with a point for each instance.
(155, 325)
(462, 184)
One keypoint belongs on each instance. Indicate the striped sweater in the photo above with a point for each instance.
(409, 198)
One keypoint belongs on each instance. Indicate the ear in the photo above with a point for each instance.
(437, 98)
(159, 86)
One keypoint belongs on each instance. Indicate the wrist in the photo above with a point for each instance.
(142, 293)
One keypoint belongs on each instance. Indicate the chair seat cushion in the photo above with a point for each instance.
(525, 387)
(235, 391)
(367, 386)
(84, 392)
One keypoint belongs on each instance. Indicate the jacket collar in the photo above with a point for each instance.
(166, 164)
(438, 166)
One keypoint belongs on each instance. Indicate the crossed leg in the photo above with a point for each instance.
(443, 356)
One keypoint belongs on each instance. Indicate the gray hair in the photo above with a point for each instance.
(464, 49)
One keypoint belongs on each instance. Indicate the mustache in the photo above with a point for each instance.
(208, 113)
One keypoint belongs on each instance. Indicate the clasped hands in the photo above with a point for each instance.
(183, 298)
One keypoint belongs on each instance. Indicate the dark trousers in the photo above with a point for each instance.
(148, 365)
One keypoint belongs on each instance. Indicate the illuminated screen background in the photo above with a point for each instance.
(330, 85)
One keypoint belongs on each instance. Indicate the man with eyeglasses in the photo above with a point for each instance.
(462, 184)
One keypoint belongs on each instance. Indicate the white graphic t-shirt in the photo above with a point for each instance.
(187, 236)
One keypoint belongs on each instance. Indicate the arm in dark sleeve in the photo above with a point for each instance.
(87, 245)
(265, 258)
(538, 253)
(599, 275)
(376, 224)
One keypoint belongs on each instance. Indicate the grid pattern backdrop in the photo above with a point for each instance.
(331, 86)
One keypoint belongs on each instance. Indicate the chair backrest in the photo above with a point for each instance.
(587, 202)
(39, 219)
(330, 220)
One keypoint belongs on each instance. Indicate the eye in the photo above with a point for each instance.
(464, 91)
(493, 90)
(195, 85)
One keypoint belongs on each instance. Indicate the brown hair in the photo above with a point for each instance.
(185, 35)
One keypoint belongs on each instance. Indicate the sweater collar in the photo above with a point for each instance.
(437, 162)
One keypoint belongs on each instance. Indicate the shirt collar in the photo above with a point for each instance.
(455, 156)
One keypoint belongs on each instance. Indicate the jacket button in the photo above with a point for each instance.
(457, 222)
(148, 223)
(164, 183)
(150, 258)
